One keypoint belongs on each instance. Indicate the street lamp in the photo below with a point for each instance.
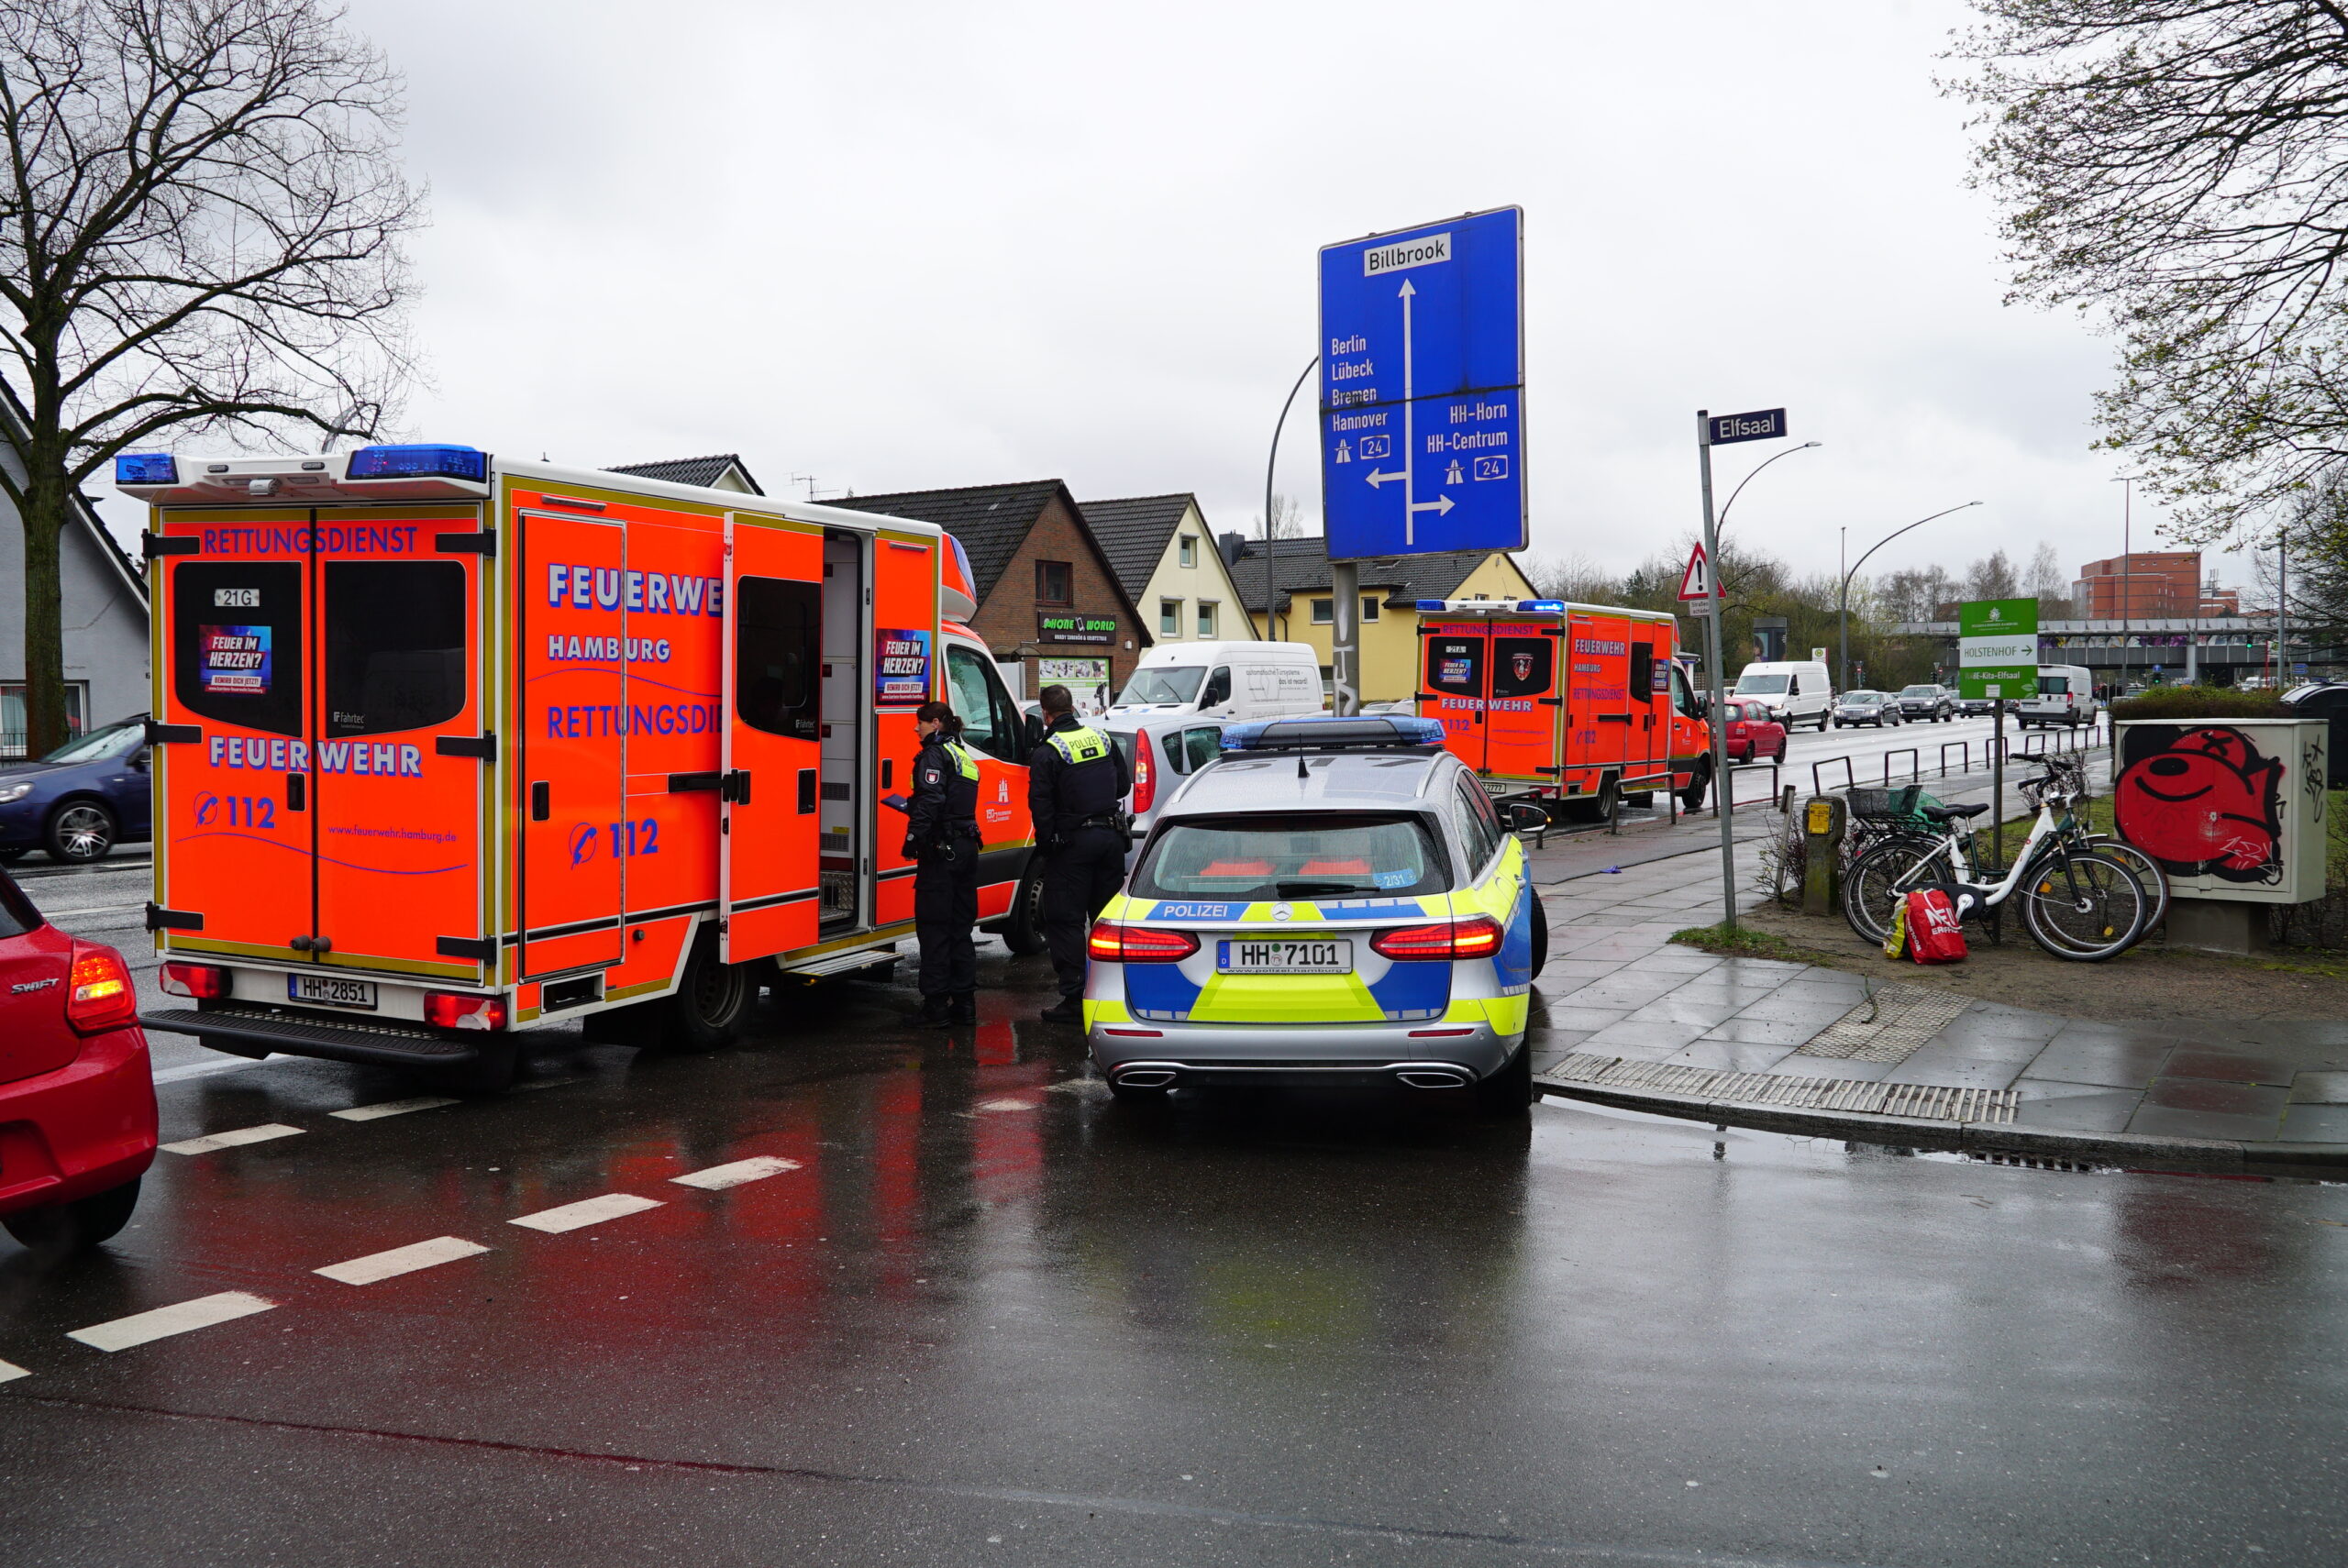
(1722, 521)
(2127, 483)
(1271, 589)
(1843, 612)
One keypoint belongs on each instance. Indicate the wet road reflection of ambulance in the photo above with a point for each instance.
(449, 747)
(1561, 703)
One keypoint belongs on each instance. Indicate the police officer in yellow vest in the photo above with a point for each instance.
(1077, 782)
(942, 837)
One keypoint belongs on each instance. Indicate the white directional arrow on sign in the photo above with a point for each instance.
(1378, 478)
(1440, 505)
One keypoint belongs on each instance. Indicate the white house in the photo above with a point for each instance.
(1166, 560)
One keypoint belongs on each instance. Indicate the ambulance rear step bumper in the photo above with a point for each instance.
(253, 1033)
(841, 963)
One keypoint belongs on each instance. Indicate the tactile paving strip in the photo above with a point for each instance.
(1927, 1102)
(1889, 1026)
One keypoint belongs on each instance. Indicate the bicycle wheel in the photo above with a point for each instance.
(1881, 877)
(2084, 905)
(2149, 876)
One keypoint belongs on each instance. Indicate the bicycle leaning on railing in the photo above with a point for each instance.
(2083, 897)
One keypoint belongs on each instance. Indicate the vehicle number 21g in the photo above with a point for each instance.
(1285, 957)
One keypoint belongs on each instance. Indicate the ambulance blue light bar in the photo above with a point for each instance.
(1541, 606)
(146, 468)
(418, 462)
(1327, 731)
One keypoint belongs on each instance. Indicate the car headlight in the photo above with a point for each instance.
(13, 792)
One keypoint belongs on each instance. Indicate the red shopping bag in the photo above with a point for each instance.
(1934, 937)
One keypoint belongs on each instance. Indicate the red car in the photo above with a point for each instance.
(77, 1100)
(1753, 735)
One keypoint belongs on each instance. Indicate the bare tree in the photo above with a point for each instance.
(1288, 519)
(1576, 579)
(2047, 582)
(2181, 167)
(1992, 576)
(200, 232)
(1916, 593)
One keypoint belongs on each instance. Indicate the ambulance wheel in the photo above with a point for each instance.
(1509, 1092)
(78, 832)
(1022, 933)
(1699, 784)
(706, 1010)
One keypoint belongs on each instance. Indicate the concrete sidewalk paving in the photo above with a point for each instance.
(1623, 1017)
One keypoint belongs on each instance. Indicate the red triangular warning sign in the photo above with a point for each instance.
(1697, 582)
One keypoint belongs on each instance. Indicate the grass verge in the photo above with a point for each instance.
(1748, 942)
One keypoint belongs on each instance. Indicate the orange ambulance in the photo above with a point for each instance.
(1554, 703)
(448, 747)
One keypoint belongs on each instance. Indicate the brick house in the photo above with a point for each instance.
(1050, 606)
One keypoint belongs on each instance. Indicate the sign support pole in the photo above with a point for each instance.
(1712, 660)
(1344, 638)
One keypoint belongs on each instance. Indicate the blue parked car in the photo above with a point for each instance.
(80, 800)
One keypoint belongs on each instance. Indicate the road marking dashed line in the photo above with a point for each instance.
(237, 1138)
(401, 1260)
(10, 1371)
(383, 1107)
(121, 1333)
(586, 1211)
(717, 1178)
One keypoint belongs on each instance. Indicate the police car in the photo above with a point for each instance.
(1328, 901)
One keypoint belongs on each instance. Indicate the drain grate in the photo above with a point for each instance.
(1925, 1102)
(1889, 1026)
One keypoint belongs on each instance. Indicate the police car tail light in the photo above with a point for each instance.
(1477, 938)
(1145, 774)
(1114, 941)
(101, 997)
(207, 981)
(448, 1010)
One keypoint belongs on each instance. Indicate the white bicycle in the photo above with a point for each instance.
(2081, 897)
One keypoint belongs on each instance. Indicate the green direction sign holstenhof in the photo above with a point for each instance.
(1997, 648)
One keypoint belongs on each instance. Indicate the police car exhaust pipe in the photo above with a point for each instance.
(1434, 1078)
(1147, 1077)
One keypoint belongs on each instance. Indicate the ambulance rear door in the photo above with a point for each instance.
(1453, 681)
(234, 834)
(400, 749)
(1522, 715)
(901, 678)
(768, 884)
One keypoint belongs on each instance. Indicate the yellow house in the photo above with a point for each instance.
(1302, 611)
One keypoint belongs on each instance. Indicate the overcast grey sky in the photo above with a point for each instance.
(909, 244)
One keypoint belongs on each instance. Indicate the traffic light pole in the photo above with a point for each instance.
(1719, 714)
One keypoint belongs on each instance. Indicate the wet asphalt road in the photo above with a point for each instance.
(986, 1316)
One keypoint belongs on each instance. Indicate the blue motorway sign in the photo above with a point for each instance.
(1423, 389)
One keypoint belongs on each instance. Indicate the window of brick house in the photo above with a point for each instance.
(1053, 582)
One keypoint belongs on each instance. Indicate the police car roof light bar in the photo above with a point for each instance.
(1326, 732)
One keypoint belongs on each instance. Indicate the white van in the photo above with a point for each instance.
(1229, 680)
(2065, 696)
(1795, 693)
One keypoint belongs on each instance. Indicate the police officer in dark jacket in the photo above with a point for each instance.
(1077, 782)
(942, 837)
